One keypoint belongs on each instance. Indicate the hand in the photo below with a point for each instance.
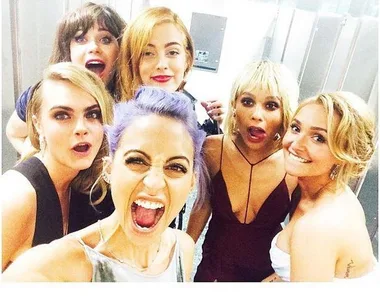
(214, 109)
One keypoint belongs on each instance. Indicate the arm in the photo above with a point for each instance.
(62, 260)
(18, 215)
(17, 132)
(198, 219)
(187, 246)
(313, 250)
(200, 215)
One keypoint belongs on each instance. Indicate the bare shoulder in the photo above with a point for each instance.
(62, 260)
(212, 148)
(185, 240)
(16, 190)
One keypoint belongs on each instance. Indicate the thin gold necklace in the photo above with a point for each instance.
(126, 262)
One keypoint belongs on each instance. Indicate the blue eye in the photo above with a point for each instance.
(106, 40)
(61, 116)
(79, 39)
(319, 138)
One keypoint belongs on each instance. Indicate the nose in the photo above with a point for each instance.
(298, 142)
(154, 181)
(93, 46)
(257, 113)
(80, 127)
(162, 63)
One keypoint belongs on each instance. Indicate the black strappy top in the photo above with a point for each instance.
(239, 252)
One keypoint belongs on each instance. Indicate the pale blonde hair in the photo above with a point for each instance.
(136, 37)
(91, 84)
(351, 139)
(265, 75)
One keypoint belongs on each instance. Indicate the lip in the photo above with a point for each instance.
(256, 134)
(82, 153)
(161, 78)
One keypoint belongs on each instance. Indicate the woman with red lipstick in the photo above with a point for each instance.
(329, 141)
(151, 176)
(65, 123)
(250, 188)
(88, 36)
(157, 50)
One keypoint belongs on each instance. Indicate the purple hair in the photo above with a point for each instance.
(153, 100)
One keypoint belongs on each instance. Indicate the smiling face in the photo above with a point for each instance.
(258, 118)
(70, 121)
(97, 50)
(163, 62)
(151, 176)
(306, 149)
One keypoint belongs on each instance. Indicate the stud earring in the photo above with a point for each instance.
(334, 172)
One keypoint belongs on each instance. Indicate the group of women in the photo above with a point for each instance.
(111, 149)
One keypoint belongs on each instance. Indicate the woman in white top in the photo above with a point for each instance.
(329, 141)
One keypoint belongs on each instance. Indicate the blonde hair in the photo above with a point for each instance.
(91, 84)
(351, 139)
(265, 75)
(136, 37)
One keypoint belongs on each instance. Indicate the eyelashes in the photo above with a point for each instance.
(140, 164)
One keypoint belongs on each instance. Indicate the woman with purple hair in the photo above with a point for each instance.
(150, 175)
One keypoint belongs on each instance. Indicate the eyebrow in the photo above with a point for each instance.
(167, 44)
(312, 128)
(148, 157)
(94, 106)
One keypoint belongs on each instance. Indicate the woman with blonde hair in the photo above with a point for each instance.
(250, 188)
(330, 140)
(151, 176)
(157, 50)
(65, 122)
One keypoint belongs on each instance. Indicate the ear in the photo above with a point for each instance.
(36, 124)
(193, 181)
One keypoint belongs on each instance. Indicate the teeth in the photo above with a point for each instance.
(148, 205)
(302, 160)
(95, 62)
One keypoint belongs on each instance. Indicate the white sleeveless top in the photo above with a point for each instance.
(106, 269)
(281, 265)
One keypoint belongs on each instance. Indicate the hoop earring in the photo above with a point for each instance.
(106, 177)
(277, 137)
(42, 143)
(334, 172)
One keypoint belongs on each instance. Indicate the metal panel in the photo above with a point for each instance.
(207, 32)
(363, 67)
(8, 154)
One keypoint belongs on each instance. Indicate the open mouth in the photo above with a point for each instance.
(146, 214)
(81, 148)
(96, 66)
(257, 133)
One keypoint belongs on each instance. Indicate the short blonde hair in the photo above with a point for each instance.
(136, 37)
(265, 75)
(91, 84)
(351, 140)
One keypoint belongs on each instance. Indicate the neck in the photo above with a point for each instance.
(118, 246)
(61, 175)
(256, 155)
(313, 187)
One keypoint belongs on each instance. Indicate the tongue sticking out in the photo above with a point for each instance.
(257, 133)
(145, 217)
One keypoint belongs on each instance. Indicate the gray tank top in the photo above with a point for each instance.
(106, 269)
